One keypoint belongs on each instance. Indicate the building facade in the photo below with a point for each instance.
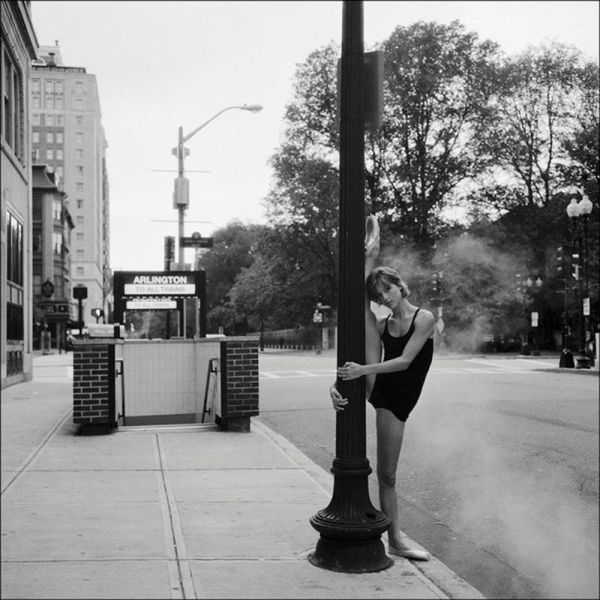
(53, 307)
(17, 51)
(67, 135)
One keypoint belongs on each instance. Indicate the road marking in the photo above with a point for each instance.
(493, 369)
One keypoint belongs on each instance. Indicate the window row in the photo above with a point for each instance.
(51, 137)
(50, 119)
(12, 121)
(51, 92)
(58, 138)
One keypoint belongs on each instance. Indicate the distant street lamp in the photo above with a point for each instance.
(574, 211)
(182, 189)
(181, 194)
(526, 287)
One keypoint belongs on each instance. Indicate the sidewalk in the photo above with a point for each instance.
(168, 512)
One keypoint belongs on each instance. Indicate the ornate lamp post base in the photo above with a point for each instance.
(350, 557)
(350, 526)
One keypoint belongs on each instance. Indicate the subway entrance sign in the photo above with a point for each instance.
(155, 290)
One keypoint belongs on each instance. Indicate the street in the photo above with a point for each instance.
(498, 474)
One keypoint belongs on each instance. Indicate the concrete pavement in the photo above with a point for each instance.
(168, 512)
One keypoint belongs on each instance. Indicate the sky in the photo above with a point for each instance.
(161, 65)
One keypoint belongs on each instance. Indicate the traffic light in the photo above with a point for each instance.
(435, 284)
(560, 262)
(520, 284)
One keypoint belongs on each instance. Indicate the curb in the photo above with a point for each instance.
(434, 570)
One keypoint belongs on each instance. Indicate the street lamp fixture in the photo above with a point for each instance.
(182, 189)
(579, 247)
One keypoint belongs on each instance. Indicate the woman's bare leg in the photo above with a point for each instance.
(390, 434)
(372, 338)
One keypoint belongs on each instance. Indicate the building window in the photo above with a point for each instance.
(49, 137)
(12, 102)
(60, 95)
(49, 120)
(56, 242)
(49, 93)
(56, 210)
(79, 203)
(60, 120)
(35, 118)
(78, 104)
(14, 247)
(79, 170)
(59, 137)
(50, 154)
(79, 220)
(80, 237)
(14, 276)
(59, 171)
(79, 187)
(79, 120)
(59, 154)
(36, 137)
(35, 94)
(79, 271)
(79, 154)
(79, 138)
(80, 255)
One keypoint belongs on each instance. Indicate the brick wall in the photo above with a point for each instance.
(239, 383)
(91, 393)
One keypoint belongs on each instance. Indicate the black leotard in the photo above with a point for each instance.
(399, 391)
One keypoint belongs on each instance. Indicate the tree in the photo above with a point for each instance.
(234, 248)
(532, 115)
(254, 294)
(438, 80)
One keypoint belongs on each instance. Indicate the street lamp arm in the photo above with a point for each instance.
(251, 108)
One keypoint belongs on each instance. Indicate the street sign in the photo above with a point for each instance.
(586, 307)
(150, 304)
(196, 242)
(534, 319)
(317, 317)
(54, 307)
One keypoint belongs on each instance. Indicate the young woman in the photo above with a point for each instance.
(393, 384)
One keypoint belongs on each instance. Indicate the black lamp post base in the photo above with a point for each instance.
(350, 556)
(566, 359)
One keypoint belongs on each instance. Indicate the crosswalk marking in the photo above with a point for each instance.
(494, 368)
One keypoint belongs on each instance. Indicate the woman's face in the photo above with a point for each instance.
(388, 294)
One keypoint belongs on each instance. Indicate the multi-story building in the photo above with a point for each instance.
(68, 136)
(53, 307)
(18, 49)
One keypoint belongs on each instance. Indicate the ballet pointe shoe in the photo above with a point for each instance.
(409, 553)
(372, 231)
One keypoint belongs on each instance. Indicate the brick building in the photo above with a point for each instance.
(17, 50)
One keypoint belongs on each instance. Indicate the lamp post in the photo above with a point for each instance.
(181, 194)
(585, 209)
(350, 527)
(566, 356)
(573, 212)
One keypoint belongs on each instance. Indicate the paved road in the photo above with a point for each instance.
(499, 471)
